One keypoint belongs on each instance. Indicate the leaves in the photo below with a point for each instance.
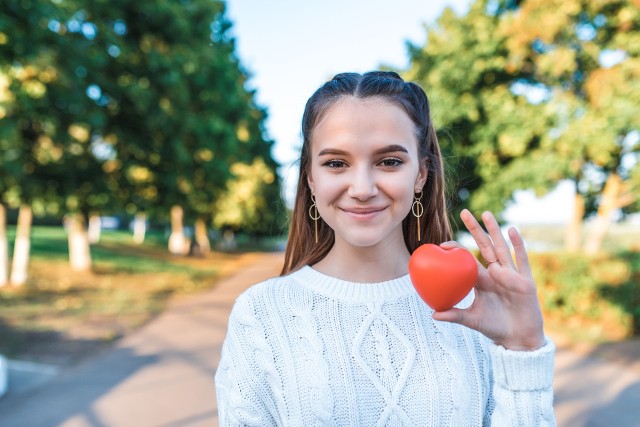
(118, 105)
(526, 95)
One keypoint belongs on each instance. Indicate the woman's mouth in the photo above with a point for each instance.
(362, 214)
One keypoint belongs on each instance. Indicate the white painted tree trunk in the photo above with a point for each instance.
(79, 251)
(21, 247)
(177, 242)
(611, 195)
(139, 228)
(4, 247)
(201, 236)
(573, 231)
(94, 229)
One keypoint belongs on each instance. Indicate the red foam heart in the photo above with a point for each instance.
(442, 277)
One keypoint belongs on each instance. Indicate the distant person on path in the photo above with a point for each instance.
(341, 337)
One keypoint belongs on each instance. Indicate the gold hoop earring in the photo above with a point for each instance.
(417, 209)
(314, 215)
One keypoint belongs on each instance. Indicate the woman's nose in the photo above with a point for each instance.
(363, 184)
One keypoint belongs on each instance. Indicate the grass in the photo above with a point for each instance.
(59, 315)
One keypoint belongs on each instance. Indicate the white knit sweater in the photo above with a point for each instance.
(310, 350)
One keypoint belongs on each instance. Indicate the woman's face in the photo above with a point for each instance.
(364, 170)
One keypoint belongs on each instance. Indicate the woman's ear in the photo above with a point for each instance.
(423, 171)
(310, 183)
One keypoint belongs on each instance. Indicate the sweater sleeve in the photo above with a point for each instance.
(522, 387)
(246, 376)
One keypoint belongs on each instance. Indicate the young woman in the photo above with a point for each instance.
(341, 337)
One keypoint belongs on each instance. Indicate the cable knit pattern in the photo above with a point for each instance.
(249, 339)
(310, 350)
(307, 343)
(448, 338)
(388, 381)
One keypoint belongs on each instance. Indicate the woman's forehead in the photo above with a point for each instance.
(370, 122)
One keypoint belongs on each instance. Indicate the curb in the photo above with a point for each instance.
(25, 376)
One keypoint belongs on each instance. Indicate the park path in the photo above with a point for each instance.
(162, 375)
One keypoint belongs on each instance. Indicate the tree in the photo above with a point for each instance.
(178, 111)
(484, 125)
(586, 55)
(533, 92)
(4, 247)
(26, 138)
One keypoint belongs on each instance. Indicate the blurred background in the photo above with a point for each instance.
(146, 147)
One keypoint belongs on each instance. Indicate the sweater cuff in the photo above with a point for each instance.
(523, 370)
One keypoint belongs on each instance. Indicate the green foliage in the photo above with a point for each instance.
(248, 201)
(590, 298)
(584, 54)
(178, 110)
(117, 105)
(525, 94)
(483, 126)
(46, 119)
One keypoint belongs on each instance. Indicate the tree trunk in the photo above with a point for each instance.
(139, 228)
(608, 204)
(21, 247)
(573, 231)
(201, 237)
(4, 247)
(79, 251)
(94, 228)
(177, 242)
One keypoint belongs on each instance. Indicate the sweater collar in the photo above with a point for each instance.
(353, 291)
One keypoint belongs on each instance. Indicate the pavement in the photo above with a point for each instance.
(163, 374)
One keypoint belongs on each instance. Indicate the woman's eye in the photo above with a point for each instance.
(391, 162)
(335, 164)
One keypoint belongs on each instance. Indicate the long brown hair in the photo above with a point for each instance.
(434, 223)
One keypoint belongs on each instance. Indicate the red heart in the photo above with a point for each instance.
(442, 277)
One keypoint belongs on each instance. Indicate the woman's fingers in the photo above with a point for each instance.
(500, 245)
(462, 317)
(453, 315)
(482, 239)
(451, 244)
(521, 253)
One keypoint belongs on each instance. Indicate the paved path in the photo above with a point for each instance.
(162, 375)
(591, 392)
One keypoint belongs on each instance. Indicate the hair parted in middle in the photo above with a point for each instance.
(301, 247)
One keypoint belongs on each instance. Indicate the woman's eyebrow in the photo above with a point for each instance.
(332, 151)
(393, 148)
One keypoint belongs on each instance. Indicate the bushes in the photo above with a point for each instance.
(589, 298)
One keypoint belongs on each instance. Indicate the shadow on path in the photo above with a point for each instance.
(73, 392)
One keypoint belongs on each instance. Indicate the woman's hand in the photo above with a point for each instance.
(506, 307)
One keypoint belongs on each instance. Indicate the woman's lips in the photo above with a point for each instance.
(362, 214)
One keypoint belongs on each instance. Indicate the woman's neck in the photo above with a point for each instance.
(382, 262)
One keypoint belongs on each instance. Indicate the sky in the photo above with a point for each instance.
(291, 47)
